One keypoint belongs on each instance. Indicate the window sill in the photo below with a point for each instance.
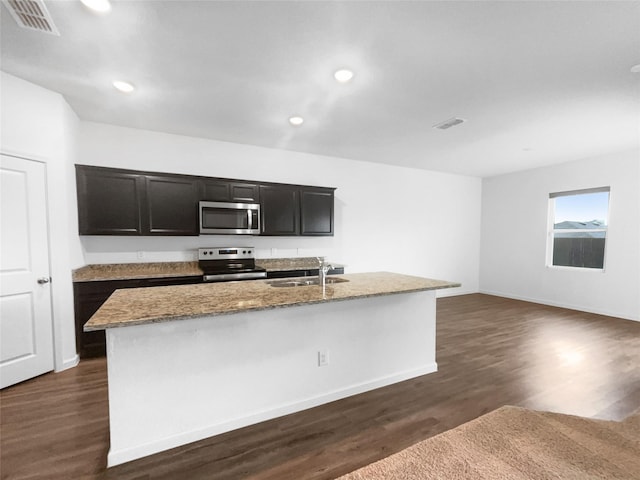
(575, 269)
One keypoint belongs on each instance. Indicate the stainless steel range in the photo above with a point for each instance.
(221, 264)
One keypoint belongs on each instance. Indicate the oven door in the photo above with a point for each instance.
(229, 218)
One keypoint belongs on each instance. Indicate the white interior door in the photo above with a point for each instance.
(26, 333)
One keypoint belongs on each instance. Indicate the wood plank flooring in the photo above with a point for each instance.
(491, 352)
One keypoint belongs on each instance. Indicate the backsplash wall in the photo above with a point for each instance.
(108, 249)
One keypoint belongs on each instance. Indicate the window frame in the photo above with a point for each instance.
(551, 231)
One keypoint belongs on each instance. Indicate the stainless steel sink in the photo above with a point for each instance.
(298, 282)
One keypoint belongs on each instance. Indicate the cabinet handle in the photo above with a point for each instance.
(43, 280)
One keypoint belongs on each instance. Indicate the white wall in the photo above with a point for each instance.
(514, 237)
(38, 124)
(387, 218)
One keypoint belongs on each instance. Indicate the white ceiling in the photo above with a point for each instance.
(539, 82)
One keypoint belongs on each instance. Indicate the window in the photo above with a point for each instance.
(578, 228)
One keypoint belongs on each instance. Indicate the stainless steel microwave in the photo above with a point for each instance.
(229, 218)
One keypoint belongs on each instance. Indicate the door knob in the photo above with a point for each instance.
(42, 280)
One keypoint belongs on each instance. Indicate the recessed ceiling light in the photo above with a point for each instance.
(635, 68)
(101, 6)
(343, 75)
(296, 121)
(124, 87)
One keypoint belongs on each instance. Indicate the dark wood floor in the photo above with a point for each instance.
(491, 352)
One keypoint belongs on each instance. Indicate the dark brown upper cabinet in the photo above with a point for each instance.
(279, 210)
(109, 201)
(126, 202)
(316, 211)
(172, 205)
(228, 191)
(291, 210)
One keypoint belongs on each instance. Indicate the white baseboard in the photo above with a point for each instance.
(126, 455)
(569, 306)
(453, 292)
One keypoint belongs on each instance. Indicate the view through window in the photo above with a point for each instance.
(579, 222)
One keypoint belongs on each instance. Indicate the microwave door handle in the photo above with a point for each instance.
(250, 219)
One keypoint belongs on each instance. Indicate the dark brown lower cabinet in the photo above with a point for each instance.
(89, 297)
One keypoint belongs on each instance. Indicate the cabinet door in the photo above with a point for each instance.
(225, 191)
(216, 191)
(244, 192)
(108, 201)
(171, 205)
(279, 209)
(89, 344)
(89, 297)
(316, 209)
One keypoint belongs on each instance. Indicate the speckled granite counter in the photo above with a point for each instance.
(284, 264)
(160, 304)
(130, 271)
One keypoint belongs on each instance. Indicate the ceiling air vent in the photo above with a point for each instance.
(452, 122)
(32, 14)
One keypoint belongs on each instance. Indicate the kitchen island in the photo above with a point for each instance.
(93, 284)
(190, 361)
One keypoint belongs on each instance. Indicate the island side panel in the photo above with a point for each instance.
(177, 382)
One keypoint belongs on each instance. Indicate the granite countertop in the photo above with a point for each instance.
(130, 271)
(139, 306)
(284, 264)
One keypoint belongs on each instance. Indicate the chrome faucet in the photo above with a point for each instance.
(323, 269)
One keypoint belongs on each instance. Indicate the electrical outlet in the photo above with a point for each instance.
(140, 255)
(323, 358)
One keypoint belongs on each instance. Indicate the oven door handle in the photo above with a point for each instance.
(234, 276)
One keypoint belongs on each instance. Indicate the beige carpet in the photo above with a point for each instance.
(515, 443)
